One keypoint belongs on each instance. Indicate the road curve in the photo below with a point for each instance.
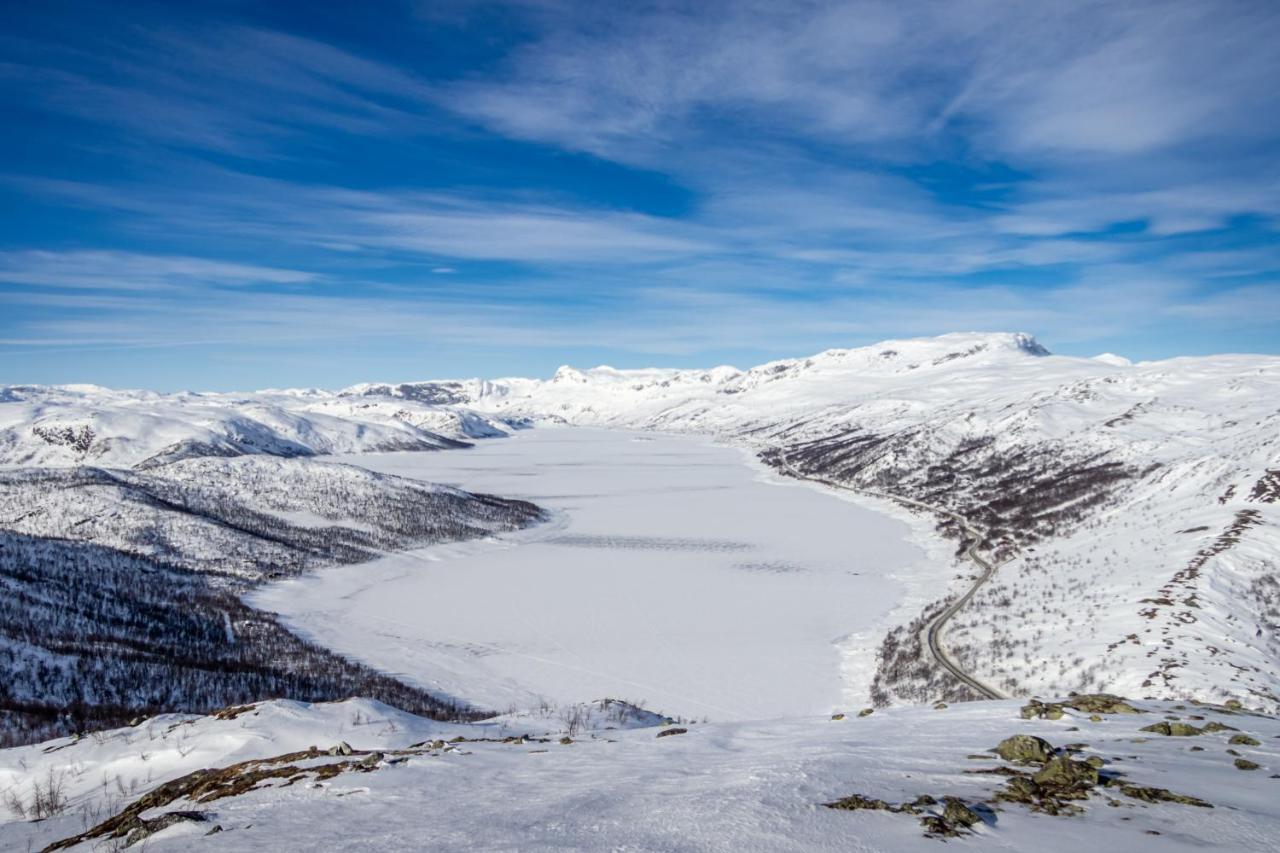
(933, 632)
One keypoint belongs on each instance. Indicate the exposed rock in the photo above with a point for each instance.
(1066, 776)
(230, 713)
(1244, 740)
(1025, 749)
(856, 802)
(1037, 709)
(866, 712)
(957, 813)
(566, 740)
(1245, 764)
(1161, 795)
(342, 748)
(676, 731)
(1174, 729)
(146, 828)
(1020, 789)
(956, 819)
(1100, 703)
(837, 716)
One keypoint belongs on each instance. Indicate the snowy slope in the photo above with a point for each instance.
(614, 783)
(1136, 502)
(74, 425)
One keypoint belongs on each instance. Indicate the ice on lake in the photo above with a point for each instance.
(675, 571)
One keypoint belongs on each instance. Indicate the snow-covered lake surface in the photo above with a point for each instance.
(676, 572)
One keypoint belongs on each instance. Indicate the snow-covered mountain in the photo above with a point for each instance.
(1136, 503)
(1131, 511)
(88, 425)
(120, 589)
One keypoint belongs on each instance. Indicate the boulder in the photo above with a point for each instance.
(1100, 703)
(958, 814)
(1025, 749)
(1064, 774)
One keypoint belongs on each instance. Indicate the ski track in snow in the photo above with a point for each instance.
(638, 593)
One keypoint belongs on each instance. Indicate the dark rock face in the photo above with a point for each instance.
(669, 732)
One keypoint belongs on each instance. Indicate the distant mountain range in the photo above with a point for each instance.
(1136, 502)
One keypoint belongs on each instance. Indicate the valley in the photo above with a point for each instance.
(673, 570)
(819, 577)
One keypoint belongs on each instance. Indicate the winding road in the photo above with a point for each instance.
(935, 629)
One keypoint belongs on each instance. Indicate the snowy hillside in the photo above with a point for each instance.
(87, 425)
(1136, 502)
(120, 590)
(1090, 772)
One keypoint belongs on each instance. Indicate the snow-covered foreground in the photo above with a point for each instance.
(738, 786)
(676, 572)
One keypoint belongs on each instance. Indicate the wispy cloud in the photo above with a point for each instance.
(235, 89)
(130, 271)
(652, 178)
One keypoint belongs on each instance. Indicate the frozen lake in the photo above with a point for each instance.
(676, 572)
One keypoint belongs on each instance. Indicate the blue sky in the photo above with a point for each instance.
(236, 195)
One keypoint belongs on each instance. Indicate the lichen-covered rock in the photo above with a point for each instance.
(1246, 764)
(866, 712)
(1025, 749)
(1020, 789)
(1037, 709)
(857, 802)
(956, 819)
(959, 814)
(1173, 729)
(1161, 795)
(1064, 774)
(1100, 703)
(1244, 740)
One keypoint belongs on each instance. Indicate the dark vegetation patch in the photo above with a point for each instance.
(92, 638)
(1018, 495)
(120, 592)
